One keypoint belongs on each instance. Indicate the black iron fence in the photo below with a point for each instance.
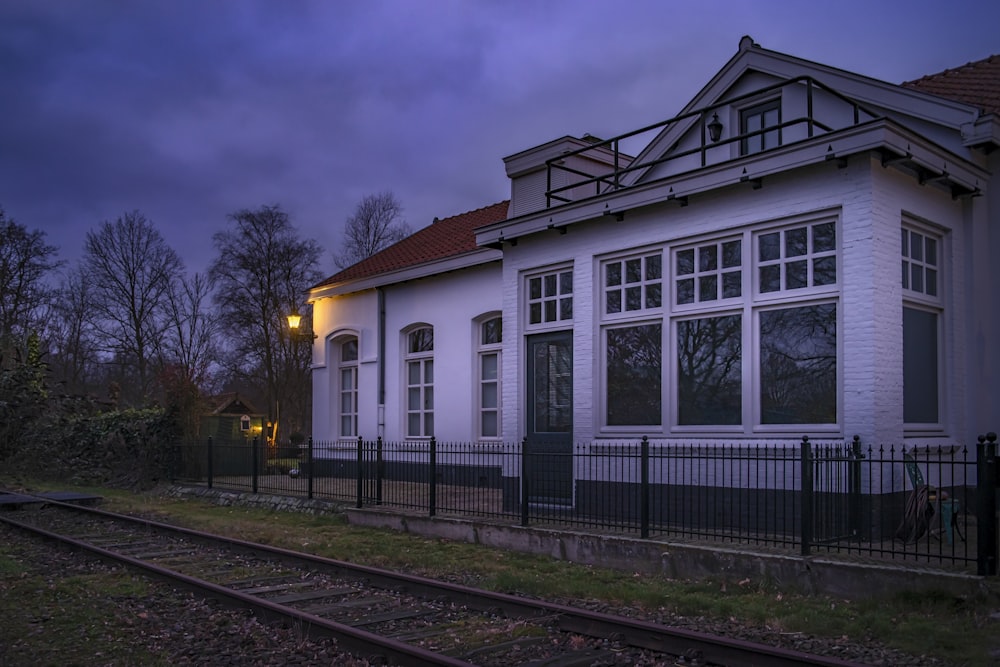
(935, 504)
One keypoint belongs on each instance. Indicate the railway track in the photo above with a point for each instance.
(402, 619)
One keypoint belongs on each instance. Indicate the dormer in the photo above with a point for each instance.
(549, 174)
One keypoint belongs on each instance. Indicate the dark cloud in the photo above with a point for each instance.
(190, 110)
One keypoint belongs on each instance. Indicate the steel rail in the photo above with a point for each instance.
(711, 649)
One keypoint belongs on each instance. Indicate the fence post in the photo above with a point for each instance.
(854, 488)
(209, 462)
(644, 490)
(361, 460)
(432, 500)
(807, 496)
(309, 468)
(253, 465)
(986, 505)
(524, 482)
(379, 470)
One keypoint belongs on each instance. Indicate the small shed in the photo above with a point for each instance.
(232, 419)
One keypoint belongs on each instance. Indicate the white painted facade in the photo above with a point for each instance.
(909, 162)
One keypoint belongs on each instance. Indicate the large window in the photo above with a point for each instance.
(761, 123)
(347, 388)
(744, 340)
(420, 383)
(922, 306)
(490, 339)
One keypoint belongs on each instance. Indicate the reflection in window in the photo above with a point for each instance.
(490, 338)
(348, 389)
(920, 366)
(798, 365)
(420, 383)
(634, 375)
(552, 363)
(709, 373)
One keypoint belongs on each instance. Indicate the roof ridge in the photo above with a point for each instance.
(953, 70)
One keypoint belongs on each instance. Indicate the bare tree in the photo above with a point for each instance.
(261, 272)
(189, 343)
(25, 262)
(73, 348)
(132, 271)
(376, 224)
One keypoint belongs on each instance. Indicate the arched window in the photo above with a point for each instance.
(347, 388)
(489, 343)
(420, 383)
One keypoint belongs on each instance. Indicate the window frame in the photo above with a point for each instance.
(558, 273)
(921, 300)
(352, 365)
(759, 108)
(424, 360)
(485, 349)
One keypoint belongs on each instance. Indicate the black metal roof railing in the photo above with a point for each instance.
(613, 181)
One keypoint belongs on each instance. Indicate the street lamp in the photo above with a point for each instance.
(294, 319)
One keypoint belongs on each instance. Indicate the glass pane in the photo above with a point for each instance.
(428, 398)
(654, 297)
(552, 391)
(930, 256)
(429, 424)
(550, 311)
(906, 244)
(633, 271)
(566, 282)
(916, 247)
(613, 275)
(490, 366)
(795, 242)
(550, 285)
(825, 271)
(770, 278)
(349, 350)
(413, 372)
(920, 367)
(931, 277)
(709, 371)
(796, 274)
(489, 425)
(346, 426)
(798, 365)
(732, 254)
(413, 398)
(346, 404)
(534, 313)
(634, 375)
(633, 298)
(535, 288)
(347, 378)
(413, 424)
(732, 284)
(492, 331)
(422, 340)
(824, 237)
(906, 275)
(708, 258)
(769, 247)
(685, 262)
(708, 288)
(614, 302)
(654, 267)
(428, 372)
(685, 290)
(489, 395)
(917, 278)
(566, 308)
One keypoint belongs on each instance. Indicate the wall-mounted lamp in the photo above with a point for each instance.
(715, 128)
(294, 319)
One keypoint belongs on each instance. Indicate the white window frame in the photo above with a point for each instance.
(486, 349)
(759, 108)
(350, 366)
(423, 361)
(925, 300)
(555, 306)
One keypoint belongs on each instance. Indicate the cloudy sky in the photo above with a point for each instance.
(189, 110)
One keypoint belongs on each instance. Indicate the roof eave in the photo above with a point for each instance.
(414, 272)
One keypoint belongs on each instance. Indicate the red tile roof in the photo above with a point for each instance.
(439, 240)
(976, 83)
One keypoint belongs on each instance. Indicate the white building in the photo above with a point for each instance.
(802, 250)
